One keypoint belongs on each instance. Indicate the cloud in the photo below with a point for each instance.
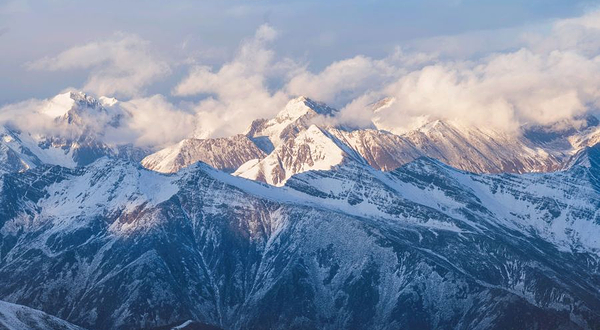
(580, 34)
(552, 76)
(121, 66)
(556, 76)
(151, 122)
(32, 117)
(343, 81)
(549, 77)
(502, 91)
(238, 91)
(154, 122)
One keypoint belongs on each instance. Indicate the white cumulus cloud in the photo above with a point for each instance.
(238, 91)
(546, 77)
(556, 76)
(120, 66)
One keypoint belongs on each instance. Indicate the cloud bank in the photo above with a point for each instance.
(550, 76)
(556, 76)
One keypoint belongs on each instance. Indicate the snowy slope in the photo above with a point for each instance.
(17, 317)
(479, 150)
(224, 153)
(424, 246)
(311, 149)
(295, 117)
(14, 155)
(286, 144)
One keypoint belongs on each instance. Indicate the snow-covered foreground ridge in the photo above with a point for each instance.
(17, 317)
(114, 246)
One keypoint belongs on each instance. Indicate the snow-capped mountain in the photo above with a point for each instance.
(310, 149)
(296, 140)
(227, 154)
(17, 317)
(297, 116)
(115, 246)
(112, 245)
(466, 147)
(271, 151)
(75, 118)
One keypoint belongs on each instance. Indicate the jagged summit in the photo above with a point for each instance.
(271, 151)
(289, 146)
(295, 117)
(62, 104)
(588, 157)
(79, 122)
(108, 101)
(303, 106)
(59, 105)
(311, 149)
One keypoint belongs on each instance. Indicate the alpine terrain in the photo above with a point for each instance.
(295, 141)
(300, 224)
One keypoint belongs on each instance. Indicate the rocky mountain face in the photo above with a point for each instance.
(331, 242)
(115, 246)
(310, 149)
(227, 154)
(467, 148)
(299, 139)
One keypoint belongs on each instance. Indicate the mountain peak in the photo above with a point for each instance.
(436, 125)
(302, 106)
(586, 157)
(62, 104)
(107, 101)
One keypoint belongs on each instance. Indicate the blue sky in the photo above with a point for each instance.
(316, 33)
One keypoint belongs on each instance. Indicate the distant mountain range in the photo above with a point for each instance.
(301, 225)
(293, 142)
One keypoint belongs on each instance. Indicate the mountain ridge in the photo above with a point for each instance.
(224, 250)
(422, 245)
(536, 149)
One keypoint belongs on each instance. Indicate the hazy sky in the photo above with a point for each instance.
(208, 32)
